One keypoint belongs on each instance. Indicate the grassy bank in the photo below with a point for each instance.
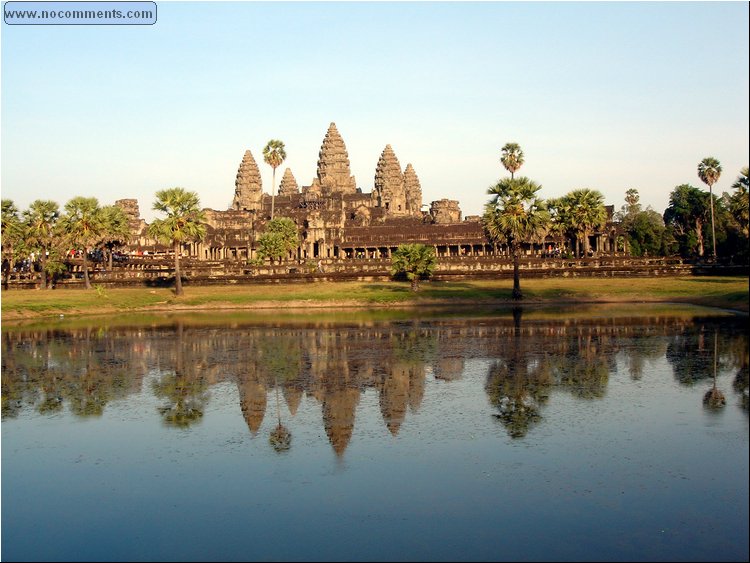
(724, 292)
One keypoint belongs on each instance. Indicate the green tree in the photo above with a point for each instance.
(415, 261)
(585, 212)
(644, 229)
(115, 231)
(738, 201)
(645, 232)
(686, 215)
(12, 237)
(559, 225)
(709, 171)
(185, 221)
(274, 154)
(279, 238)
(511, 156)
(83, 225)
(736, 220)
(40, 221)
(515, 215)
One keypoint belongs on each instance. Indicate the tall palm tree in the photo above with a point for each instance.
(511, 156)
(586, 212)
(185, 221)
(414, 260)
(83, 225)
(709, 170)
(40, 221)
(515, 215)
(274, 154)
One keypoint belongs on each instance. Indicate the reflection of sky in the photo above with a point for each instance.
(641, 474)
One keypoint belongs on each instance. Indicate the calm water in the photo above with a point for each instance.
(575, 435)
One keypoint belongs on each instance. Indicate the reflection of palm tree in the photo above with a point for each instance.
(714, 398)
(515, 388)
(280, 438)
(184, 389)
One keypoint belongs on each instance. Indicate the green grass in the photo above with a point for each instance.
(724, 292)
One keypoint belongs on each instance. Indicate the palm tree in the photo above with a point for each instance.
(83, 225)
(12, 235)
(184, 222)
(741, 180)
(511, 156)
(586, 212)
(739, 203)
(515, 215)
(40, 221)
(709, 170)
(274, 154)
(414, 260)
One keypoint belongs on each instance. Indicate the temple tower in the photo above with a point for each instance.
(288, 184)
(413, 192)
(334, 173)
(248, 187)
(389, 184)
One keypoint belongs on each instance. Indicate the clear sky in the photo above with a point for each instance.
(608, 96)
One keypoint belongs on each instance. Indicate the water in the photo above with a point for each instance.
(541, 435)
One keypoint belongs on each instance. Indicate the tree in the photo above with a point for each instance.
(709, 170)
(511, 156)
(559, 226)
(83, 225)
(686, 215)
(415, 261)
(40, 221)
(12, 236)
(115, 229)
(184, 222)
(738, 201)
(585, 212)
(645, 231)
(515, 215)
(279, 238)
(274, 154)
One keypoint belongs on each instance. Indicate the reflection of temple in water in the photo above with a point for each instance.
(334, 365)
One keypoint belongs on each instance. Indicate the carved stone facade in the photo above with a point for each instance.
(445, 211)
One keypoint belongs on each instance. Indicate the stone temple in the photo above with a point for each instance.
(336, 220)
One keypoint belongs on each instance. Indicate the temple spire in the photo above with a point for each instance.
(413, 192)
(248, 187)
(288, 184)
(389, 183)
(334, 173)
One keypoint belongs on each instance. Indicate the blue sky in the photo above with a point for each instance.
(608, 96)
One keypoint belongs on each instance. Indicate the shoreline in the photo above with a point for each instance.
(727, 294)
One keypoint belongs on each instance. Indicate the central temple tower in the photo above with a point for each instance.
(334, 173)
